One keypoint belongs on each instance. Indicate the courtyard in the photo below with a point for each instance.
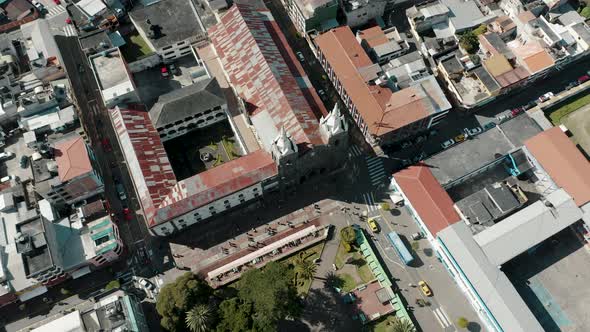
(578, 123)
(201, 149)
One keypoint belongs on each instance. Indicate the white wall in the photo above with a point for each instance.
(209, 210)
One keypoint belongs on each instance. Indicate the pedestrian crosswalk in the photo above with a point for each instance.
(355, 151)
(441, 317)
(376, 170)
(70, 31)
(370, 201)
(54, 11)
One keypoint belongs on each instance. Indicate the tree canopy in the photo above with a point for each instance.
(469, 42)
(272, 294)
(235, 316)
(177, 298)
(585, 12)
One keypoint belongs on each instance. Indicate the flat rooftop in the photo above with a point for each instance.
(466, 157)
(176, 20)
(111, 73)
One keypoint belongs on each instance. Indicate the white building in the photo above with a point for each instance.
(360, 12)
(114, 78)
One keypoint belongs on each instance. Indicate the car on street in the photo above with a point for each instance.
(300, 57)
(472, 131)
(489, 125)
(120, 191)
(571, 85)
(583, 79)
(127, 214)
(530, 105)
(322, 94)
(373, 225)
(24, 161)
(38, 5)
(106, 145)
(460, 138)
(424, 288)
(517, 111)
(164, 72)
(447, 143)
(7, 178)
(146, 284)
(545, 97)
(6, 155)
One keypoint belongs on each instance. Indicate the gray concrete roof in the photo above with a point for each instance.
(181, 103)
(492, 286)
(471, 155)
(528, 227)
(177, 20)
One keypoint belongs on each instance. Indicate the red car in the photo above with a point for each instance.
(164, 72)
(57, 2)
(127, 214)
(106, 145)
(517, 111)
(583, 79)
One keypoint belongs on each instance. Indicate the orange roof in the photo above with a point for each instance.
(72, 159)
(539, 61)
(565, 164)
(428, 198)
(373, 36)
(382, 110)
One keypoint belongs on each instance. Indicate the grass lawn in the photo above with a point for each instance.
(362, 268)
(349, 282)
(136, 48)
(557, 115)
(341, 255)
(380, 325)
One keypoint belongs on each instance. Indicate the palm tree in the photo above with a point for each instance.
(401, 325)
(199, 318)
(348, 235)
(305, 268)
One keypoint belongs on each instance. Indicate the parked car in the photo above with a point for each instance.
(146, 284)
(424, 288)
(57, 2)
(571, 85)
(164, 72)
(6, 155)
(406, 144)
(373, 225)
(460, 138)
(472, 131)
(503, 117)
(489, 125)
(447, 143)
(24, 161)
(300, 57)
(38, 5)
(120, 191)
(531, 104)
(127, 214)
(545, 97)
(7, 178)
(517, 111)
(583, 79)
(416, 236)
(174, 69)
(106, 145)
(322, 94)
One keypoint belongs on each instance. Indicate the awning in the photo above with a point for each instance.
(396, 198)
(81, 272)
(32, 293)
(261, 252)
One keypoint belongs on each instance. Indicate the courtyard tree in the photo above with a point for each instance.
(469, 42)
(396, 324)
(199, 318)
(305, 268)
(235, 315)
(348, 235)
(272, 294)
(177, 298)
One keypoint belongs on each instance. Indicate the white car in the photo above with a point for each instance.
(448, 143)
(6, 155)
(7, 178)
(472, 131)
(38, 5)
(301, 57)
(146, 284)
(545, 97)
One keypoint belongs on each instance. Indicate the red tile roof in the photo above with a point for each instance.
(162, 198)
(373, 36)
(560, 158)
(215, 183)
(382, 110)
(266, 74)
(428, 198)
(72, 158)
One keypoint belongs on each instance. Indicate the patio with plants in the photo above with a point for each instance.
(352, 268)
(303, 263)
